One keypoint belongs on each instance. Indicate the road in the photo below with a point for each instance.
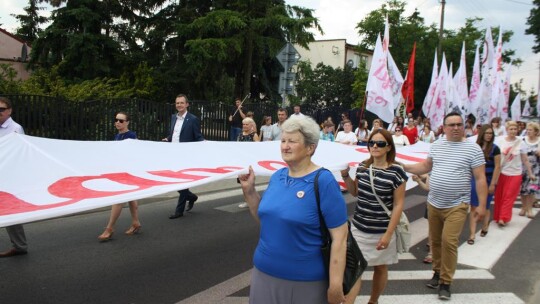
(205, 257)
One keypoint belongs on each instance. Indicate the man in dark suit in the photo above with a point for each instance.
(185, 127)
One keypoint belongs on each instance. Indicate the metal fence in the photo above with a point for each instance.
(55, 117)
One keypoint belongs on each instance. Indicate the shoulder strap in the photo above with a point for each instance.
(324, 230)
(375, 193)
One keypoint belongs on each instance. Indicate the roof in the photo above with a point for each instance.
(12, 36)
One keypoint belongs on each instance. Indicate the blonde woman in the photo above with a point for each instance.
(529, 187)
(513, 162)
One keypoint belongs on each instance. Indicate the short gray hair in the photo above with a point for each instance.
(306, 126)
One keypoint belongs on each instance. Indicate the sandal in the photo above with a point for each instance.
(536, 205)
(133, 230)
(106, 235)
(428, 259)
(470, 241)
(522, 212)
(483, 233)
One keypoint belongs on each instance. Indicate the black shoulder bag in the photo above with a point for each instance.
(355, 263)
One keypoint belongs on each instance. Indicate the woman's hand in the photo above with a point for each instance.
(247, 181)
(335, 295)
(491, 189)
(415, 178)
(345, 172)
(383, 242)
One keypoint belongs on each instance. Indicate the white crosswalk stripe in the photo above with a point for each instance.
(477, 256)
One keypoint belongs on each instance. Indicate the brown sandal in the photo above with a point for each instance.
(106, 235)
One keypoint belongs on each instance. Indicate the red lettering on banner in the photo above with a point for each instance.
(362, 150)
(191, 177)
(10, 204)
(72, 187)
(410, 158)
(268, 164)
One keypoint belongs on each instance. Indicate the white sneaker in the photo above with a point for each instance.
(243, 205)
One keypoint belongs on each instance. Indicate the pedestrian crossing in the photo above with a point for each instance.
(406, 283)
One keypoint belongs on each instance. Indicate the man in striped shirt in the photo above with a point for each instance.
(453, 161)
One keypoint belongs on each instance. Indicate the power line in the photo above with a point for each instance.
(519, 2)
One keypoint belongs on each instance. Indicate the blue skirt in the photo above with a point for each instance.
(474, 197)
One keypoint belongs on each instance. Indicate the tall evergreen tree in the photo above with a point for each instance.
(30, 22)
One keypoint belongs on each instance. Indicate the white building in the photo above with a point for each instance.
(14, 52)
(335, 53)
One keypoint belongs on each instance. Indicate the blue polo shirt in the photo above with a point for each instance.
(290, 237)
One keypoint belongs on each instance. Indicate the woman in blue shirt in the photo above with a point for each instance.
(121, 122)
(288, 262)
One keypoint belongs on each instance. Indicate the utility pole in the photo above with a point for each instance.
(439, 50)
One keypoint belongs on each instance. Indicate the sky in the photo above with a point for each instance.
(338, 18)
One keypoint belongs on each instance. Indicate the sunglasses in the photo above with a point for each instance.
(119, 120)
(379, 143)
(3, 109)
(398, 130)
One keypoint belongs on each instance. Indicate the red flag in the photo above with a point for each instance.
(407, 90)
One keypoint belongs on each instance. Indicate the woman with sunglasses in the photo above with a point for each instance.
(372, 228)
(121, 122)
(399, 139)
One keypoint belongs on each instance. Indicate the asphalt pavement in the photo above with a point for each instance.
(200, 256)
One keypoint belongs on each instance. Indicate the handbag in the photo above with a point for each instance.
(403, 234)
(355, 263)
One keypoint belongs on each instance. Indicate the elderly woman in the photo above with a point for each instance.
(513, 162)
(373, 229)
(288, 262)
(529, 187)
(121, 122)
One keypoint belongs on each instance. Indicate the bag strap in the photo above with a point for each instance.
(324, 229)
(375, 193)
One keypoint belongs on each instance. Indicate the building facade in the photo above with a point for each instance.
(15, 52)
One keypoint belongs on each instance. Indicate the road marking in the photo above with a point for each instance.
(219, 292)
(469, 274)
(457, 298)
(487, 250)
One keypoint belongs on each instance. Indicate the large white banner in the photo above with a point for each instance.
(44, 178)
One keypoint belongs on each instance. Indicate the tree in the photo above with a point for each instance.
(534, 25)
(325, 86)
(30, 22)
(240, 39)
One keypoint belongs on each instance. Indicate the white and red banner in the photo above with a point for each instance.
(428, 100)
(380, 99)
(516, 108)
(45, 178)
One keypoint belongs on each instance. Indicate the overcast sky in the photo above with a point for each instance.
(338, 19)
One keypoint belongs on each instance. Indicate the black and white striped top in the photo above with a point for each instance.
(369, 216)
(450, 179)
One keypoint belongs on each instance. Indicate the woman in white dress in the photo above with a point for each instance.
(400, 140)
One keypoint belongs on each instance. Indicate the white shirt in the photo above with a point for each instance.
(511, 155)
(178, 127)
(401, 140)
(343, 137)
(10, 126)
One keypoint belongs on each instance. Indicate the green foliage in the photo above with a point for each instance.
(533, 21)
(359, 86)
(325, 86)
(8, 79)
(29, 22)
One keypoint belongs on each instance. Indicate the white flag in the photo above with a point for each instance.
(460, 80)
(432, 86)
(485, 91)
(474, 99)
(396, 80)
(526, 109)
(516, 108)
(439, 99)
(504, 96)
(379, 89)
